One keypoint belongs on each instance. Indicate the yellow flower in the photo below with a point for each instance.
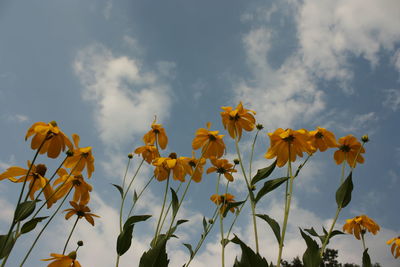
(223, 200)
(149, 152)
(81, 211)
(190, 167)
(157, 133)
(222, 166)
(56, 140)
(35, 177)
(282, 140)
(348, 149)
(237, 119)
(76, 181)
(60, 260)
(82, 157)
(165, 165)
(360, 224)
(211, 143)
(323, 139)
(395, 246)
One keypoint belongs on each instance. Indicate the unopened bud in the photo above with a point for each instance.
(80, 243)
(259, 126)
(53, 123)
(236, 161)
(130, 155)
(365, 138)
(210, 221)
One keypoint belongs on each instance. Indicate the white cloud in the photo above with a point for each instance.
(16, 117)
(125, 97)
(392, 100)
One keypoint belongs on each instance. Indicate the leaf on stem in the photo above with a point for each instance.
(263, 173)
(135, 196)
(204, 224)
(343, 194)
(24, 209)
(175, 202)
(124, 240)
(189, 247)
(270, 186)
(31, 224)
(6, 244)
(121, 191)
(249, 257)
(366, 260)
(273, 224)
(156, 256)
(311, 257)
(231, 205)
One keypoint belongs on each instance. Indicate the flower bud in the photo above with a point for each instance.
(236, 161)
(365, 138)
(210, 221)
(259, 126)
(130, 155)
(80, 243)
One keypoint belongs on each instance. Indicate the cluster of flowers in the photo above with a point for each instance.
(48, 138)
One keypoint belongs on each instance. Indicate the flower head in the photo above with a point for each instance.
(222, 166)
(323, 139)
(60, 260)
(157, 133)
(234, 120)
(81, 211)
(223, 200)
(349, 148)
(395, 242)
(165, 165)
(283, 141)
(72, 181)
(35, 178)
(149, 152)
(360, 224)
(81, 157)
(54, 139)
(191, 169)
(211, 143)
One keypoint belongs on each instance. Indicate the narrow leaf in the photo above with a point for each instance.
(181, 221)
(24, 209)
(134, 219)
(263, 173)
(249, 257)
(6, 244)
(189, 247)
(31, 224)
(175, 202)
(204, 224)
(311, 257)
(124, 240)
(343, 194)
(156, 256)
(135, 196)
(366, 260)
(273, 224)
(121, 191)
(269, 186)
(231, 205)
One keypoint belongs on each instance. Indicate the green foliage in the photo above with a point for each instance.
(157, 255)
(263, 173)
(273, 224)
(343, 194)
(24, 209)
(270, 186)
(120, 190)
(311, 256)
(249, 257)
(31, 224)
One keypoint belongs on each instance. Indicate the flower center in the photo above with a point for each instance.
(76, 182)
(234, 118)
(345, 148)
(319, 135)
(289, 139)
(80, 213)
(173, 155)
(192, 163)
(212, 137)
(221, 170)
(41, 169)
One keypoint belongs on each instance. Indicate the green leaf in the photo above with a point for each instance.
(189, 247)
(263, 173)
(135, 196)
(273, 224)
(156, 256)
(121, 191)
(204, 224)
(225, 242)
(230, 205)
(181, 221)
(24, 209)
(343, 194)
(269, 186)
(249, 257)
(311, 257)
(175, 202)
(6, 244)
(31, 224)
(366, 260)
(124, 239)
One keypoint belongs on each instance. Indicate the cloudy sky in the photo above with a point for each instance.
(104, 69)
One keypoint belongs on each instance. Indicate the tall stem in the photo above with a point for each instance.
(252, 152)
(252, 201)
(140, 194)
(162, 211)
(168, 208)
(70, 234)
(287, 209)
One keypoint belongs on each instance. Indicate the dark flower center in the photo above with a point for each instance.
(80, 213)
(345, 148)
(212, 137)
(289, 139)
(192, 163)
(173, 155)
(156, 131)
(319, 135)
(221, 170)
(41, 169)
(234, 118)
(76, 182)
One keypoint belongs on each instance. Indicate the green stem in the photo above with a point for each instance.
(126, 172)
(221, 225)
(252, 152)
(140, 194)
(252, 201)
(162, 210)
(126, 192)
(168, 209)
(287, 209)
(41, 231)
(70, 234)
(363, 240)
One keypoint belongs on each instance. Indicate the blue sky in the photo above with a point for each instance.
(103, 69)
